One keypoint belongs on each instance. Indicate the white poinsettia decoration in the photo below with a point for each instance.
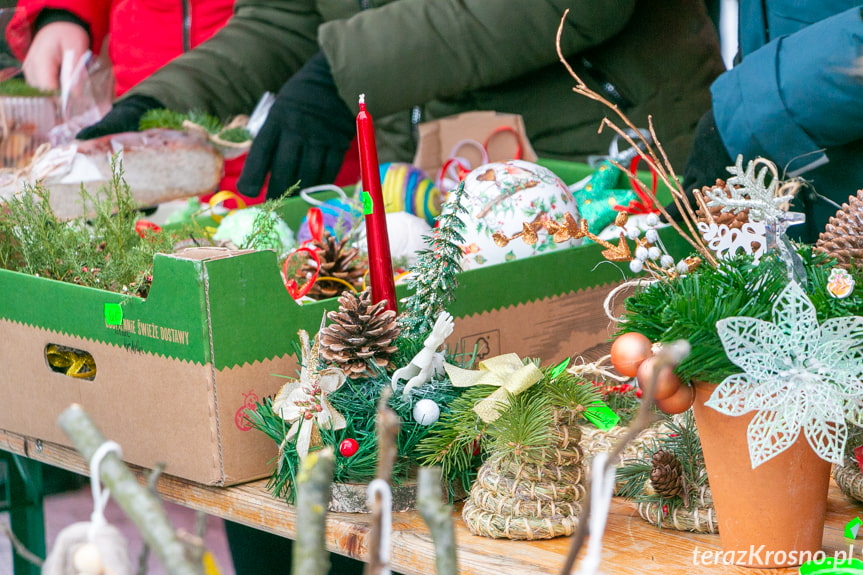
(798, 375)
(304, 403)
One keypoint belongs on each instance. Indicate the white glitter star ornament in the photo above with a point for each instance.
(303, 402)
(798, 375)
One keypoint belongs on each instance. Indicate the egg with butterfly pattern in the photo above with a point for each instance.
(500, 197)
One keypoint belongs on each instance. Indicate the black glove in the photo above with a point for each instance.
(125, 115)
(707, 161)
(305, 137)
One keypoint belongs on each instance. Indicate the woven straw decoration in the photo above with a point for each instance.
(849, 479)
(527, 501)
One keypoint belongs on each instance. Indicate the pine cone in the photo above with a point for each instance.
(716, 214)
(361, 334)
(666, 477)
(842, 237)
(338, 260)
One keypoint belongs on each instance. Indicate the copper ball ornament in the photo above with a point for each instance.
(667, 381)
(678, 402)
(628, 351)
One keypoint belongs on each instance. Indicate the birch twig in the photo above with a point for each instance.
(313, 497)
(387, 426)
(438, 517)
(142, 507)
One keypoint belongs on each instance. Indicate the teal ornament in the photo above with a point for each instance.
(607, 187)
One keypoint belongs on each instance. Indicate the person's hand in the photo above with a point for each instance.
(708, 159)
(124, 116)
(42, 64)
(305, 137)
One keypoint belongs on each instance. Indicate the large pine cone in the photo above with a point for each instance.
(338, 260)
(361, 335)
(842, 237)
(666, 477)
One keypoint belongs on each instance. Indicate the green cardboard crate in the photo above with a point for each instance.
(175, 372)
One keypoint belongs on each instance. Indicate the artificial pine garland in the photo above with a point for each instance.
(689, 306)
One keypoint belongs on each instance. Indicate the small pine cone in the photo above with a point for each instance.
(842, 237)
(362, 334)
(338, 260)
(731, 219)
(666, 477)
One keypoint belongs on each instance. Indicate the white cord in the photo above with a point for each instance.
(382, 488)
(601, 491)
(100, 498)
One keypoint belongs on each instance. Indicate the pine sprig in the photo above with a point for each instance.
(263, 235)
(569, 392)
(524, 432)
(433, 279)
(456, 440)
(683, 442)
(102, 251)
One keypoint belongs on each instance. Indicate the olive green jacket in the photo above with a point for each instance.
(442, 57)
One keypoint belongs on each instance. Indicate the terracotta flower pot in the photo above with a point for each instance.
(770, 516)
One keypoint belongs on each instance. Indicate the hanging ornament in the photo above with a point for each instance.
(426, 412)
(348, 447)
(628, 351)
(667, 383)
(678, 402)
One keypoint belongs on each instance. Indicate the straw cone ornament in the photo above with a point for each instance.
(529, 501)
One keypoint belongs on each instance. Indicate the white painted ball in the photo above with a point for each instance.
(501, 197)
(87, 560)
(426, 412)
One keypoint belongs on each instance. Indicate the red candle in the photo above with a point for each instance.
(380, 261)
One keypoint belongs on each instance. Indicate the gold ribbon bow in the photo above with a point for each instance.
(507, 372)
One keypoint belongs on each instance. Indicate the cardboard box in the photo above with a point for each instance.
(502, 135)
(180, 367)
(173, 377)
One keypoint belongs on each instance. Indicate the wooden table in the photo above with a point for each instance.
(631, 546)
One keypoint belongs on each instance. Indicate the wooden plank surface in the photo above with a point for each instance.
(631, 546)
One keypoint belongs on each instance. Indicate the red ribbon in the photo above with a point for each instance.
(144, 226)
(315, 219)
(291, 285)
(505, 130)
(646, 205)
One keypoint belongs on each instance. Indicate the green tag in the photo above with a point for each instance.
(832, 566)
(558, 369)
(852, 527)
(602, 416)
(368, 206)
(113, 314)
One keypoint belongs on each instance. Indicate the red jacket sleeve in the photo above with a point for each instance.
(19, 32)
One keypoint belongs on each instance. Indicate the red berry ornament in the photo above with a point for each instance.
(628, 351)
(348, 447)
